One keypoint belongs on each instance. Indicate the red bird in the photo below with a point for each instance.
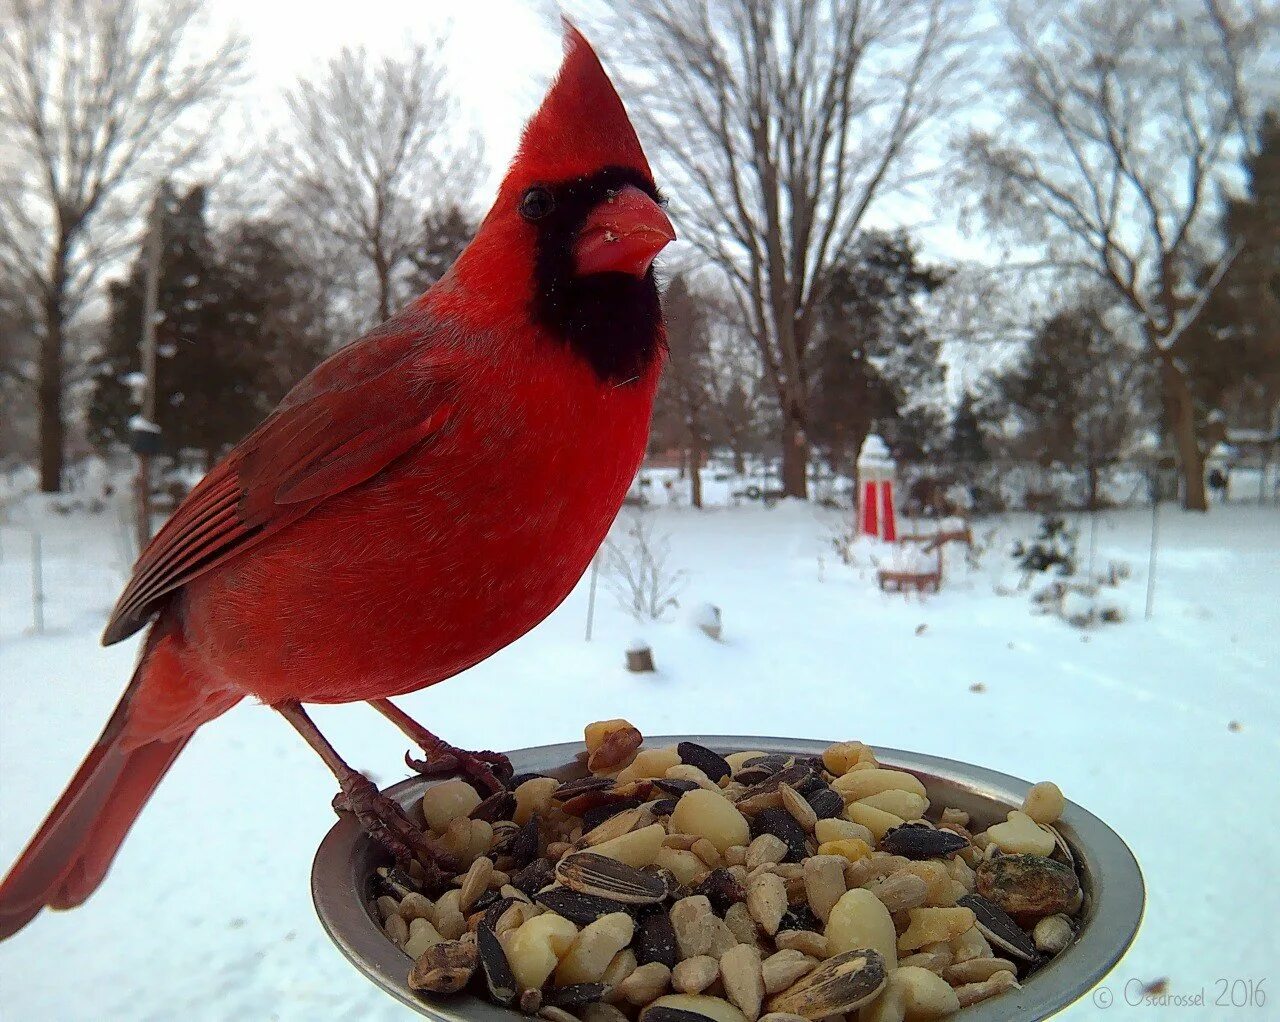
(423, 498)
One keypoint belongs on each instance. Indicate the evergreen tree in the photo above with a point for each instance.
(1235, 352)
(875, 358)
(968, 446)
(1079, 395)
(444, 235)
(235, 329)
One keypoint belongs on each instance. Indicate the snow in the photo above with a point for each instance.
(206, 914)
(141, 424)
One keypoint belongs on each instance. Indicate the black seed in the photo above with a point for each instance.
(795, 774)
(663, 807)
(920, 841)
(710, 763)
(826, 803)
(498, 976)
(524, 848)
(580, 786)
(596, 815)
(999, 928)
(578, 907)
(655, 939)
(534, 877)
(800, 918)
(761, 768)
(665, 875)
(519, 779)
(485, 901)
(498, 806)
(781, 823)
(590, 873)
(811, 784)
(665, 1014)
(576, 996)
(675, 785)
(721, 889)
(493, 913)
(395, 882)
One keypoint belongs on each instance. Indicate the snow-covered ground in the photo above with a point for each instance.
(206, 914)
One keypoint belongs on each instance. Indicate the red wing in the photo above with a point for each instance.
(349, 419)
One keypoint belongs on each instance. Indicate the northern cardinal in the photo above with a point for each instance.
(420, 500)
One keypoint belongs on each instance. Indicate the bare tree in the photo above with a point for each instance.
(782, 124)
(738, 399)
(684, 396)
(374, 153)
(1125, 122)
(96, 98)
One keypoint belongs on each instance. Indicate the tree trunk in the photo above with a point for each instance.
(1180, 417)
(382, 271)
(50, 391)
(739, 462)
(1091, 475)
(695, 471)
(795, 457)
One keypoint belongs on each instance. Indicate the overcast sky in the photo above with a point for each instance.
(502, 54)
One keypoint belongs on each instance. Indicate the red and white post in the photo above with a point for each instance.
(876, 476)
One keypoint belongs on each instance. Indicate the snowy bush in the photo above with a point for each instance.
(1053, 546)
(637, 572)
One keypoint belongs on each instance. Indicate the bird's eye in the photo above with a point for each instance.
(536, 203)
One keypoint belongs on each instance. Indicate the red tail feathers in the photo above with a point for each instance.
(71, 852)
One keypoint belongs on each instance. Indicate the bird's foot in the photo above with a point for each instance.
(489, 771)
(384, 820)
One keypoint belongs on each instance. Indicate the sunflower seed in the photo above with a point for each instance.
(524, 846)
(576, 995)
(498, 976)
(596, 816)
(576, 906)
(721, 888)
(1061, 849)
(396, 882)
(498, 806)
(827, 803)
(589, 873)
(534, 877)
(675, 785)
(662, 1013)
(580, 785)
(655, 939)
(781, 823)
(995, 924)
(920, 841)
(837, 986)
(710, 763)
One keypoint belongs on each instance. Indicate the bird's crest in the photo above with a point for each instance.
(581, 126)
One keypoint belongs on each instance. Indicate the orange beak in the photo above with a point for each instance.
(623, 235)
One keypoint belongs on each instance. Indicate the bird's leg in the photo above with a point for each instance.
(490, 770)
(382, 818)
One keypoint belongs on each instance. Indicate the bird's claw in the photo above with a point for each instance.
(385, 821)
(490, 770)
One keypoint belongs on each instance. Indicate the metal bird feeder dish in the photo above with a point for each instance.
(1111, 882)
